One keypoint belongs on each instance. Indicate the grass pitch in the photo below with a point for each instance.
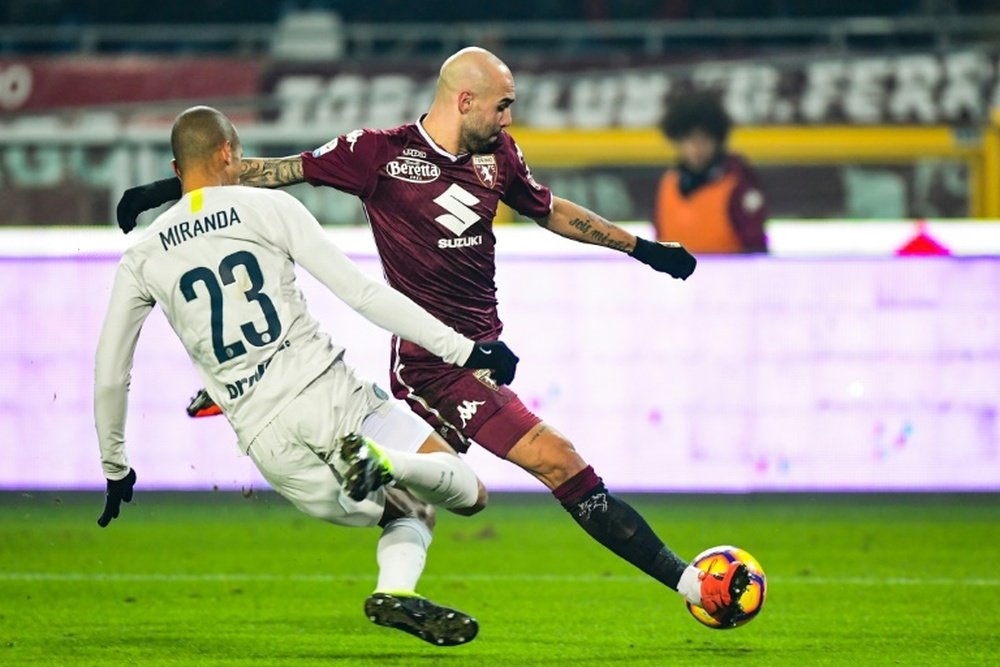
(216, 579)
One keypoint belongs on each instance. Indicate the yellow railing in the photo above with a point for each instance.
(791, 145)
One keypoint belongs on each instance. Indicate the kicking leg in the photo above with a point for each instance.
(551, 458)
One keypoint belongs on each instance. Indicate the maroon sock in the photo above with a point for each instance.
(577, 487)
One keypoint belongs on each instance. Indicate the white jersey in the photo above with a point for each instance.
(220, 264)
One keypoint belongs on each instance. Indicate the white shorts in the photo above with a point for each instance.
(297, 452)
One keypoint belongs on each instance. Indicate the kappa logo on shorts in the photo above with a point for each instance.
(467, 410)
(485, 375)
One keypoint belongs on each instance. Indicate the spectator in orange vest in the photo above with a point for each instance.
(710, 202)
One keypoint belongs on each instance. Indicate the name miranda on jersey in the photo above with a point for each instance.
(186, 230)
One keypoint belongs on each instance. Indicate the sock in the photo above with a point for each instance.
(437, 478)
(690, 585)
(401, 554)
(617, 526)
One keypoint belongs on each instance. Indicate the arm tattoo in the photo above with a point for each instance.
(594, 235)
(271, 172)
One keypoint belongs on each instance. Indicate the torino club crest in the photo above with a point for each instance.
(485, 167)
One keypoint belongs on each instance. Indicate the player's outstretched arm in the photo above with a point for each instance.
(271, 172)
(580, 224)
(377, 302)
(258, 172)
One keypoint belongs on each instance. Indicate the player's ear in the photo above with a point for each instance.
(465, 100)
(227, 152)
(176, 168)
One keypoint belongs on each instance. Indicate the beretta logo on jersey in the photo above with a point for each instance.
(485, 167)
(412, 170)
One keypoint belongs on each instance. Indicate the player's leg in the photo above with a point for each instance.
(466, 405)
(312, 485)
(419, 460)
(402, 551)
(552, 459)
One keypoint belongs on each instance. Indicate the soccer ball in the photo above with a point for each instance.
(716, 561)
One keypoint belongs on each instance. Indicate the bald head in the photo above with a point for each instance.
(472, 69)
(472, 103)
(198, 134)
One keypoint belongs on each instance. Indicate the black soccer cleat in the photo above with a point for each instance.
(368, 467)
(422, 618)
(202, 405)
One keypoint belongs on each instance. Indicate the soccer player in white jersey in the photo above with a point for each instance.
(220, 264)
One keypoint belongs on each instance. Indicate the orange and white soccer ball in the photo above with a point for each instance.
(716, 561)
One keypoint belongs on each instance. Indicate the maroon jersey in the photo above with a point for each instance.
(431, 214)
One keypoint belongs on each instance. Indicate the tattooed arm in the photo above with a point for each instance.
(575, 222)
(271, 172)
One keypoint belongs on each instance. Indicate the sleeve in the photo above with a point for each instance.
(523, 193)
(307, 244)
(748, 211)
(113, 368)
(349, 163)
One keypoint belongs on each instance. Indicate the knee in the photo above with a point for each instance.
(558, 461)
(481, 500)
(423, 512)
(426, 514)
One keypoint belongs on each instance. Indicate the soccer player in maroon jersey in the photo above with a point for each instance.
(430, 190)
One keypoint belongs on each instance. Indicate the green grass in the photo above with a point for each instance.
(216, 579)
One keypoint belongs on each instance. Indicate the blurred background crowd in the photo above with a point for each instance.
(858, 110)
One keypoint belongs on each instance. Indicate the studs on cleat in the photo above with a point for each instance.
(422, 618)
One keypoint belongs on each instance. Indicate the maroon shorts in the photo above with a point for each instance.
(462, 405)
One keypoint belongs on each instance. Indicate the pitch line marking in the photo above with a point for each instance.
(165, 577)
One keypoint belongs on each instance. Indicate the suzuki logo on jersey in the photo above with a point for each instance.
(462, 242)
(412, 170)
(485, 167)
(458, 202)
(467, 410)
(414, 152)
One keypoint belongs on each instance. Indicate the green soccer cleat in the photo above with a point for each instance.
(368, 466)
(422, 618)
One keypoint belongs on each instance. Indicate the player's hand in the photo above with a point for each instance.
(496, 356)
(665, 257)
(144, 197)
(119, 490)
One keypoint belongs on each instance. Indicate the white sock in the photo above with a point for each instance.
(438, 478)
(401, 554)
(690, 585)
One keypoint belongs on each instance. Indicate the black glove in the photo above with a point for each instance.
(669, 258)
(496, 356)
(144, 197)
(118, 490)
